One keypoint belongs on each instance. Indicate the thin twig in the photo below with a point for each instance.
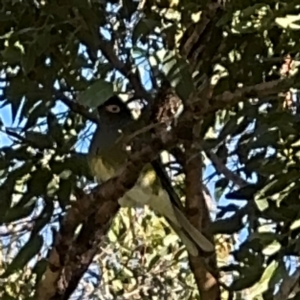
(221, 168)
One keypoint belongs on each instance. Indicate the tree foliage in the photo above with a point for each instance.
(234, 65)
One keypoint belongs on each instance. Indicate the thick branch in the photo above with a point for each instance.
(69, 257)
(260, 91)
(204, 269)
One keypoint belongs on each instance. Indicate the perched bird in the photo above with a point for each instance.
(107, 154)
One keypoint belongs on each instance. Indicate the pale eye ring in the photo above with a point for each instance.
(113, 108)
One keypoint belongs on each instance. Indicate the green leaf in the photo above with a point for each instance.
(229, 225)
(128, 8)
(272, 248)
(295, 225)
(228, 128)
(15, 105)
(248, 277)
(5, 296)
(271, 167)
(235, 126)
(55, 132)
(39, 140)
(64, 192)
(267, 139)
(23, 209)
(250, 10)
(226, 18)
(177, 71)
(279, 184)
(97, 93)
(263, 284)
(289, 21)
(27, 252)
(21, 153)
(11, 54)
(170, 239)
(180, 254)
(180, 77)
(78, 164)
(40, 268)
(244, 193)
(44, 217)
(143, 28)
(37, 184)
(138, 52)
(4, 162)
(40, 110)
(220, 187)
(6, 191)
(153, 259)
(28, 59)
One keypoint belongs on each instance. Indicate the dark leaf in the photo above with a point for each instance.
(227, 209)
(37, 184)
(180, 77)
(64, 192)
(28, 59)
(220, 187)
(39, 140)
(128, 8)
(97, 93)
(229, 225)
(271, 167)
(247, 278)
(266, 139)
(40, 110)
(44, 218)
(27, 252)
(21, 210)
(244, 193)
(40, 268)
(279, 184)
(143, 28)
(233, 127)
(153, 261)
(11, 54)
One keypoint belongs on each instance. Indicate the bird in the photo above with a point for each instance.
(107, 154)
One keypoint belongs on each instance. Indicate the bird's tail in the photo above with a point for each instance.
(190, 236)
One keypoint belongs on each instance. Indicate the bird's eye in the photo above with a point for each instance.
(113, 108)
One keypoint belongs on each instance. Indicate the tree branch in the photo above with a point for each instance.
(260, 91)
(76, 107)
(288, 285)
(70, 257)
(204, 269)
(222, 169)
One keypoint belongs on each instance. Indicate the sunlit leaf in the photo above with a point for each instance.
(263, 283)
